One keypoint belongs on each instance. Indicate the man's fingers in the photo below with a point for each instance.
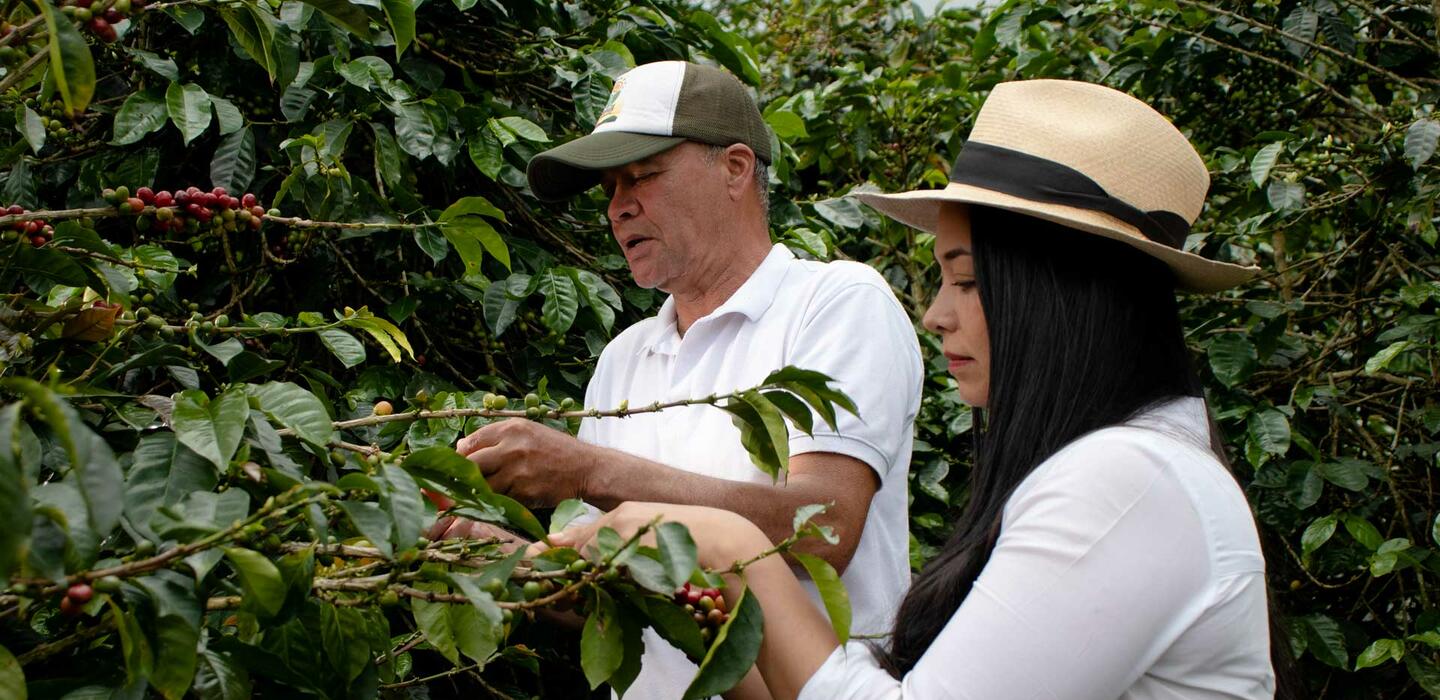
(485, 458)
(437, 530)
(484, 436)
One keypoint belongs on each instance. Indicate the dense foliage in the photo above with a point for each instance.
(191, 397)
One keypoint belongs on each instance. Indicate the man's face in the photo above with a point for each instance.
(665, 212)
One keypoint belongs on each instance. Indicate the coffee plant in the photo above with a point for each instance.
(221, 419)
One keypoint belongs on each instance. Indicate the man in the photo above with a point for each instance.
(681, 151)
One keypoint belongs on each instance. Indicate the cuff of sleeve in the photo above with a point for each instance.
(833, 679)
(841, 444)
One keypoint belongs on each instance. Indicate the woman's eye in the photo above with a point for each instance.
(965, 285)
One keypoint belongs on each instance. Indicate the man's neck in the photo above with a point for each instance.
(696, 303)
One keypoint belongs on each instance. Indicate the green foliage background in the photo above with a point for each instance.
(1316, 118)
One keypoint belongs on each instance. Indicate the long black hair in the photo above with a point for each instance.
(1084, 333)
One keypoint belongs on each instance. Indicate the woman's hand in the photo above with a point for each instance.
(721, 537)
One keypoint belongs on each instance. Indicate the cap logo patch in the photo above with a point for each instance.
(612, 106)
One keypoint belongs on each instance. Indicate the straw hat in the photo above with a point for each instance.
(1083, 156)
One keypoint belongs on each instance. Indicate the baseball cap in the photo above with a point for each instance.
(652, 108)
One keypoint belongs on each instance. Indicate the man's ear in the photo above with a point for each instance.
(739, 162)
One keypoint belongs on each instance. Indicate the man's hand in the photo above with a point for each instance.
(534, 464)
(451, 527)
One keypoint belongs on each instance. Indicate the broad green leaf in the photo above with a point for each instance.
(733, 652)
(134, 648)
(12, 678)
(346, 348)
(227, 115)
(1232, 357)
(1271, 431)
(72, 68)
(402, 501)
(524, 128)
(1284, 196)
(296, 409)
(143, 113)
(1425, 673)
(1347, 474)
(254, 31)
(384, 332)
(1264, 162)
(1420, 141)
(32, 128)
(602, 646)
(15, 517)
(1326, 641)
(401, 16)
(175, 658)
(1301, 23)
(1363, 532)
(487, 153)
(189, 107)
(677, 552)
(787, 125)
(676, 626)
(260, 580)
(832, 592)
(1317, 534)
(160, 65)
(91, 458)
(433, 619)
(1382, 359)
(233, 166)
(345, 13)
(219, 677)
(373, 523)
(472, 206)
(340, 635)
(1380, 651)
(565, 511)
(214, 428)
(562, 301)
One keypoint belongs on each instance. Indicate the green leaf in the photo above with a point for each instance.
(1325, 640)
(1363, 532)
(189, 107)
(433, 619)
(346, 348)
(32, 128)
(675, 626)
(402, 502)
(677, 552)
(91, 458)
(260, 580)
(562, 301)
(296, 409)
(401, 16)
(227, 115)
(487, 153)
(1232, 357)
(1382, 359)
(1271, 431)
(524, 128)
(787, 125)
(1347, 474)
(160, 65)
(386, 333)
(71, 66)
(373, 523)
(1264, 162)
(175, 657)
(212, 429)
(133, 646)
(602, 644)
(233, 166)
(1317, 534)
(15, 518)
(1425, 673)
(254, 31)
(1420, 141)
(142, 114)
(218, 677)
(1284, 196)
(733, 653)
(565, 511)
(345, 13)
(12, 678)
(832, 592)
(1380, 651)
(472, 206)
(340, 634)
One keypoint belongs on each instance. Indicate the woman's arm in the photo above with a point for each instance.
(798, 638)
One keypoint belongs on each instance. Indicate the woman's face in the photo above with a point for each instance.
(955, 315)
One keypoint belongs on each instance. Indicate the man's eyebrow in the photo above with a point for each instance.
(955, 252)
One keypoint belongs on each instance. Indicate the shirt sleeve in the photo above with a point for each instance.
(861, 338)
(1101, 564)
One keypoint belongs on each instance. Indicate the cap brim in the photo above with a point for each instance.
(921, 209)
(572, 168)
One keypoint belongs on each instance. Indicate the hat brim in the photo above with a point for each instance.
(572, 168)
(921, 209)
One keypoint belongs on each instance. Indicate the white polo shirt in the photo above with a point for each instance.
(840, 318)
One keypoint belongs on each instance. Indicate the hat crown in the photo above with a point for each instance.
(1121, 143)
(690, 100)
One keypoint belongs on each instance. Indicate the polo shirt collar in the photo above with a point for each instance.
(752, 299)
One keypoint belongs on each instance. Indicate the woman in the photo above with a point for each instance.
(1105, 551)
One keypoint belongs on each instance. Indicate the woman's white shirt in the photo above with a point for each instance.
(1128, 566)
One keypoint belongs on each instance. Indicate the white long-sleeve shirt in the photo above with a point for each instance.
(1128, 566)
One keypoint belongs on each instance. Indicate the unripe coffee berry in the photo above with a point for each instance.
(384, 408)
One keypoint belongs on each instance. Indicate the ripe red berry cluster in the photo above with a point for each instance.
(706, 605)
(36, 230)
(189, 210)
(75, 599)
(101, 16)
